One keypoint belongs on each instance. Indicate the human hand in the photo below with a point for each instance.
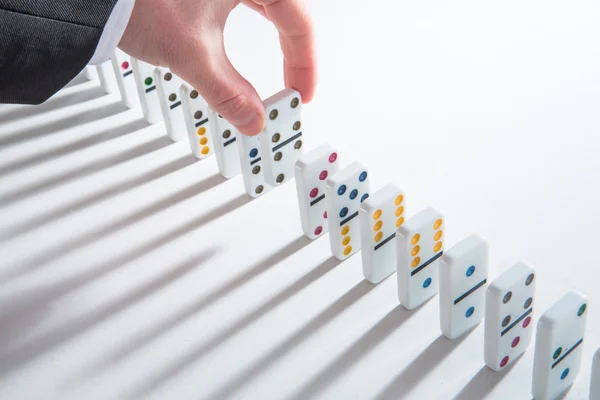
(186, 36)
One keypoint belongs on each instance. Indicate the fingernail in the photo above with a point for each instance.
(252, 125)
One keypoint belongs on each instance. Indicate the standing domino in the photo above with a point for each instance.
(107, 77)
(559, 346)
(251, 165)
(143, 74)
(312, 170)
(195, 114)
(344, 192)
(168, 85)
(463, 280)
(280, 140)
(224, 137)
(380, 216)
(123, 70)
(595, 386)
(508, 316)
(419, 246)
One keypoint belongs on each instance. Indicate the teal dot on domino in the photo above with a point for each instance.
(363, 176)
(341, 190)
(353, 194)
(427, 283)
(470, 312)
(253, 153)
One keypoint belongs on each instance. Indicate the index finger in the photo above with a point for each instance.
(296, 34)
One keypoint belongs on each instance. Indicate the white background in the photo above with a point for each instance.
(129, 270)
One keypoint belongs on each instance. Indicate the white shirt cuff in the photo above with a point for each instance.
(113, 31)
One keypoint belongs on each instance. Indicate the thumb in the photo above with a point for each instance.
(211, 73)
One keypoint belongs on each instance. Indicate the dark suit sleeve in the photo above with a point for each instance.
(44, 44)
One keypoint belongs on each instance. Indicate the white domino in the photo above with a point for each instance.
(224, 137)
(344, 193)
(595, 381)
(463, 282)
(251, 165)
(196, 117)
(123, 71)
(107, 78)
(167, 85)
(559, 346)
(419, 246)
(312, 171)
(281, 138)
(145, 84)
(509, 316)
(380, 216)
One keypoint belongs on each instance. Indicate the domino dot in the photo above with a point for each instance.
(504, 362)
(437, 224)
(529, 279)
(323, 175)
(276, 138)
(377, 214)
(437, 247)
(378, 237)
(280, 178)
(297, 125)
(172, 97)
(557, 353)
(399, 211)
(416, 262)
(256, 169)
(194, 94)
(341, 190)
(507, 297)
(205, 150)
(333, 157)
(253, 153)
(581, 310)
(201, 131)
(345, 230)
(415, 250)
(528, 303)
(364, 197)
(273, 114)
(259, 189)
(148, 81)
(363, 176)
(298, 145)
(198, 114)
(470, 312)
(346, 241)
(125, 65)
(278, 156)
(470, 271)
(343, 212)
(203, 141)
(564, 375)
(353, 194)
(399, 200)
(438, 235)
(325, 215)
(347, 250)
(295, 102)
(415, 239)
(227, 134)
(515, 342)
(427, 283)
(168, 76)
(319, 230)
(399, 222)
(314, 193)
(506, 321)
(377, 226)
(526, 322)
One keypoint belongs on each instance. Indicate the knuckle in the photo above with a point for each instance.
(233, 105)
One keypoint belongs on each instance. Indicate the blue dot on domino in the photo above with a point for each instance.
(470, 312)
(343, 212)
(341, 190)
(363, 176)
(471, 271)
(353, 194)
(564, 374)
(427, 283)
(364, 197)
(253, 153)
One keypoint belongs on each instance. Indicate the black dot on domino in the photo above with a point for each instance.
(507, 297)
(273, 115)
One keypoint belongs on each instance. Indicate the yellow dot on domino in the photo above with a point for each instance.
(345, 230)
(201, 131)
(416, 262)
(415, 250)
(399, 200)
(377, 215)
(399, 211)
(438, 236)
(415, 239)
(203, 141)
(205, 150)
(437, 224)
(399, 222)
(437, 247)
(378, 225)
(346, 241)
(348, 250)
(378, 237)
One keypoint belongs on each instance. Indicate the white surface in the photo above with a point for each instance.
(135, 269)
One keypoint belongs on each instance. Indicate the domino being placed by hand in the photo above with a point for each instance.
(224, 137)
(559, 346)
(344, 193)
(195, 114)
(107, 78)
(595, 381)
(143, 74)
(419, 246)
(123, 71)
(251, 165)
(168, 84)
(463, 281)
(312, 171)
(509, 316)
(281, 144)
(380, 216)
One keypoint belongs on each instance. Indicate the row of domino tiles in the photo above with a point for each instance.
(336, 200)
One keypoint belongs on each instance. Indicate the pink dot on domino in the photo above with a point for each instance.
(332, 157)
(314, 193)
(319, 230)
(323, 175)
